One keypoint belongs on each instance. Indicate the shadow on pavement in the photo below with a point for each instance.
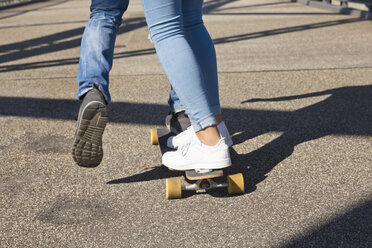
(285, 30)
(55, 42)
(66, 40)
(346, 111)
(22, 11)
(251, 6)
(41, 24)
(58, 42)
(213, 5)
(272, 14)
(352, 229)
(72, 38)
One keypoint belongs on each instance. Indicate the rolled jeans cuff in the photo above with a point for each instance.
(204, 123)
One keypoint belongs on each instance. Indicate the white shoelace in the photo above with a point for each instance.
(184, 149)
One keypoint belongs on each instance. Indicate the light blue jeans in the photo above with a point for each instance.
(183, 45)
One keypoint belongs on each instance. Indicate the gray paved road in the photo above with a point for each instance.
(295, 85)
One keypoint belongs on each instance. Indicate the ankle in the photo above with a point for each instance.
(209, 136)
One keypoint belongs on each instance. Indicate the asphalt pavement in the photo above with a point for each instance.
(295, 88)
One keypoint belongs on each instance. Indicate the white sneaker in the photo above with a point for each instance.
(182, 138)
(195, 155)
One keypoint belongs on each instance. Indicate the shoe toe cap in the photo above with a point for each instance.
(168, 158)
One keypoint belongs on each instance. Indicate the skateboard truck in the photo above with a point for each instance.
(203, 184)
(174, 187)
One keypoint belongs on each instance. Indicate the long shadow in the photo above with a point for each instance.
(25, 49)
(66, 39)
(352, 229)
(71, 38)
(251, 6)
(255, 35)
(345, 111)
(213, 5)
(274, 14)
(66, 109)
(70, 61)
(21, 12)
(55, 42)
(41, 24)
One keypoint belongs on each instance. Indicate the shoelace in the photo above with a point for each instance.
(184, 149)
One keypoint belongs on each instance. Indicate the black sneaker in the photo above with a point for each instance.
(177, 122)
(87, 146)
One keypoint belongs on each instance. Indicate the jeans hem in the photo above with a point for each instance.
(204, 123)
(178, 110)
(83, 92)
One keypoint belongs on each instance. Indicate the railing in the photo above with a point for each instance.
(11, 2)
(345, 3)
(360, 8)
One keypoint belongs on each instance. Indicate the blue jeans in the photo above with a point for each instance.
(183, 46)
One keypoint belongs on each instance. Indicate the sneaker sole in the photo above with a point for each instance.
(201, 166)
(87, 146)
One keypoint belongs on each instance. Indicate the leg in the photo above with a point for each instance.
(165, 21)
(203, 48)
(164, 18)
(97, 50)
(97, 45)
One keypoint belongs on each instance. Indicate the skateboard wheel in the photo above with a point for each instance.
(235, 184)
(154, 137)
(174, 190)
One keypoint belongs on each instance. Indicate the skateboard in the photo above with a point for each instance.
(199, 179)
